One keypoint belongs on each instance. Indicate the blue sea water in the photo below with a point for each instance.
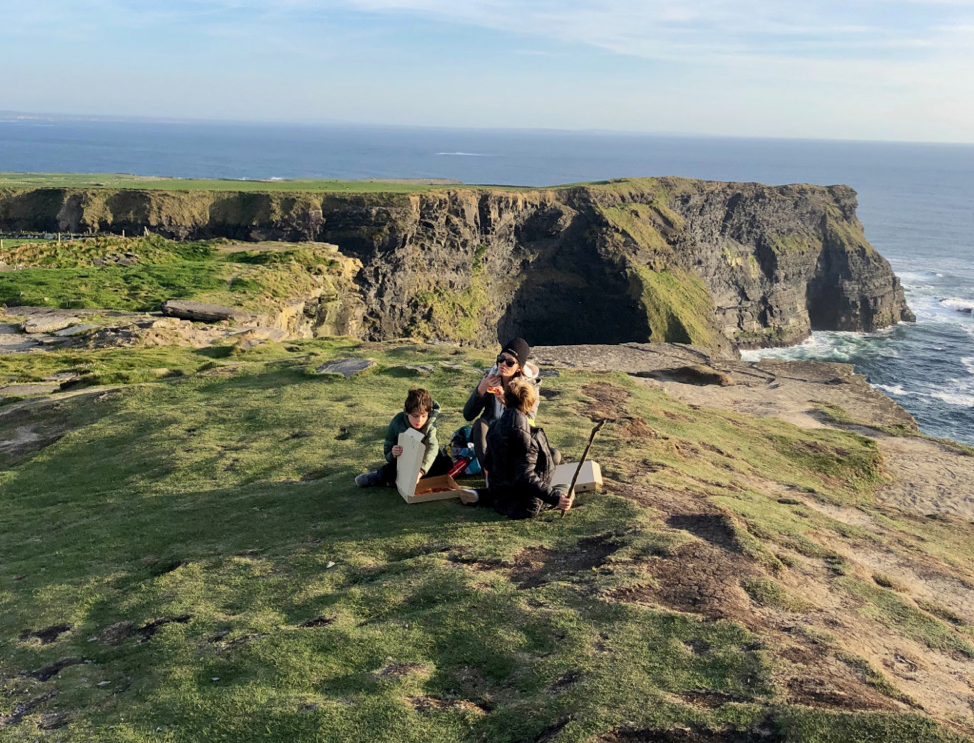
(916, 202)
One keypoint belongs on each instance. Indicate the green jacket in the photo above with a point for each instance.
(400, 424)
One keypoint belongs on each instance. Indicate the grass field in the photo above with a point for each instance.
(188, 560)
(75, 275)
(118, 180)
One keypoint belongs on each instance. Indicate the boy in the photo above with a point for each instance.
(419, 412)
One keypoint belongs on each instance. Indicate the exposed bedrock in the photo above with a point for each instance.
(722, 265)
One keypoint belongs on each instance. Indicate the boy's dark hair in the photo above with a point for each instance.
(418, 401)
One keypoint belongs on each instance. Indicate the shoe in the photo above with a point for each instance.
(469, 497)
(369, 479)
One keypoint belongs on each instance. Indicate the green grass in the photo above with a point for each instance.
(10, 242)
(767, 592)
(226, 494)
(117, 180)
(119, 288)
(678, 307)
(897, 613)
(86, 253)
(68, 276)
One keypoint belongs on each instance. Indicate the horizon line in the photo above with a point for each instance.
(29, 115)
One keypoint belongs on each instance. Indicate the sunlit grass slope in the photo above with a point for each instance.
(205, 568)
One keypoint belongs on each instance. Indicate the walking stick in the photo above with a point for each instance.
(578, 470)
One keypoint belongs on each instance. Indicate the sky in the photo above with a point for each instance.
(831, 69)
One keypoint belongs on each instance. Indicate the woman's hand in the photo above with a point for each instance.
(397, 451)
(489, 380)
(564, 502)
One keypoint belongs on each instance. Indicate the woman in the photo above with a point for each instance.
(520, 461)
(487, 400)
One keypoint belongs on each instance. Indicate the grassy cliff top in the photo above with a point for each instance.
(120, 180)
(620, 186)
(188, 559)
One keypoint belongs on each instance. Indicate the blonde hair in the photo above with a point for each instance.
(520, 394)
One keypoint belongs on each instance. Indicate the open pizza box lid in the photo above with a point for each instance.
(407, 470)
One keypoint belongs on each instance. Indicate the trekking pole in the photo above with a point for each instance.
(578, 470)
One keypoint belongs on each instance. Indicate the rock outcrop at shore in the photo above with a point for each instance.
(724, 265)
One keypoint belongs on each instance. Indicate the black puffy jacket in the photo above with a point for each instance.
(519, 466)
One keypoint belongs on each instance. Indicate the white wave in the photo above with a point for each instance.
(956, 303)
(464, 154)
(895, 389)
(968, 363)
(956, 399)
(918, 277)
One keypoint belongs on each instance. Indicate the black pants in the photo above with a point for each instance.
(441, 465)
(517, 509)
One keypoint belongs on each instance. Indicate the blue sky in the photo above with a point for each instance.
(855, 69)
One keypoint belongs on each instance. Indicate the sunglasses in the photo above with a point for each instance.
(506, 361)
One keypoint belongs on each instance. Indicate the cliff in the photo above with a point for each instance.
(715, 264)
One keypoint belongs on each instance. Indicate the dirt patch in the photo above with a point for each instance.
(928, 477)
(150, 628)
(551, 732)
(225, 647)
(53, 720)
(700, 375)
(715, 528)
(565, 680)
(398, 670)
(48, 672)
(692, 735)
(609, 401)
(427, 705)
(46, 635)
(636, 428)
(317, 622)
(28, 438)
(823, 685)
(696, 578)
(536, 566)
(25, 708)
(167, 566)
(116, 633)
(460, 557)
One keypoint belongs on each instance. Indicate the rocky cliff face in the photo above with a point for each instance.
(717, 264)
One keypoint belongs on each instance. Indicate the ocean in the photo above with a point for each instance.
(916, 202)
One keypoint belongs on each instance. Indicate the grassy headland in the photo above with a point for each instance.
(121, 180)
(188, 559)
(140, 274)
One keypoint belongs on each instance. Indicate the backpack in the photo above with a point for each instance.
(461, 448)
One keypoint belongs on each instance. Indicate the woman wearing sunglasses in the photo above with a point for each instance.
(487, 400)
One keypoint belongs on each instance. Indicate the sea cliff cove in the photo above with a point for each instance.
(207, 532)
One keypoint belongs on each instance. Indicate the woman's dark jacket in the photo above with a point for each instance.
(487, 406)
(520, 466)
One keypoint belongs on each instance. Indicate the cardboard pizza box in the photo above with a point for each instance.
(590, 478)
(407, 470)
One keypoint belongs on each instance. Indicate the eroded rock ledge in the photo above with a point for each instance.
(722, 265)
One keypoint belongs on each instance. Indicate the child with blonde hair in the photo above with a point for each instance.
(519, 460)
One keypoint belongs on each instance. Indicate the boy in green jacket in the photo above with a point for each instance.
(420, 412)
